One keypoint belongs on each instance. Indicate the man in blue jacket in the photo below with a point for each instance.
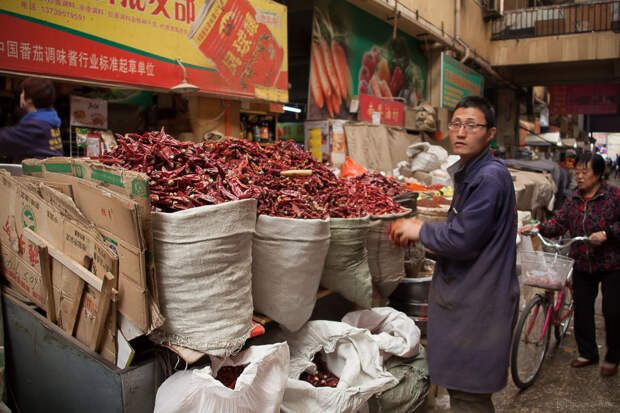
(37, 135)
(473, 301)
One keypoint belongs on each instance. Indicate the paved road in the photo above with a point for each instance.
(559, 387)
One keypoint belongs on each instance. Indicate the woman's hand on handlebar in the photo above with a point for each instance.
(526, 229)
(597, 238)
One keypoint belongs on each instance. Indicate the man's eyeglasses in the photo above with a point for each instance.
(469, 127)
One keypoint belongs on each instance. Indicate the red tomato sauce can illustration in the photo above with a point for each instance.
(243, 49)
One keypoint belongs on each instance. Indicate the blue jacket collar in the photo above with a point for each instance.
(48, 115)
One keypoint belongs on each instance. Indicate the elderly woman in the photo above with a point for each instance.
(593, 210)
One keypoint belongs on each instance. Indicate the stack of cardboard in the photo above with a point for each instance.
(93, 222)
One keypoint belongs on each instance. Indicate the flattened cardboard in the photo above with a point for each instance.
(86, 324)
(133, 303)
(67, 286)
(24, 277)
(109, 211)
(8, 188)
(131, 260)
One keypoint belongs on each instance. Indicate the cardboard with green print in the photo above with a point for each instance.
(110, 211)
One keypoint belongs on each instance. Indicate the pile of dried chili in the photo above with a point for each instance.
(323, 377)
(228, 375)
(184, 175)
(389, 185)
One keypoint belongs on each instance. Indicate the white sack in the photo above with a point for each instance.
(395, 333)
(352, 355)
(259, 388)
(287, 262)
(426, 157)
(204, 259)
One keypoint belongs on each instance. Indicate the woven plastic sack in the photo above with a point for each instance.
(396, 333)
(350, 353)
(386, 260)
(412, 388)
(259, 388)
(346, 268)
(203, 257)
(287, 262)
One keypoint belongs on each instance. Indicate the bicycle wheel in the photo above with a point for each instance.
(530, 342)
(565, 313)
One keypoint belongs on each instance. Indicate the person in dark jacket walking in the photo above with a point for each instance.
(474, 295)
(37, 135)
(593, 210)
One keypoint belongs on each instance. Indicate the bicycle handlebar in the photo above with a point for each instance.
(563, 243)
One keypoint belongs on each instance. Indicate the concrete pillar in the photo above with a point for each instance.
(506, 118)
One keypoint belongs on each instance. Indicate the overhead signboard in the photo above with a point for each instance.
(599, 99)
(229, 47)
(458, 81)
(354, 53)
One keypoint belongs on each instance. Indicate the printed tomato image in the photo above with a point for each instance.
(389, 72)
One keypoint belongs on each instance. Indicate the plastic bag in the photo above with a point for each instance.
(350, 168)
(259, 388)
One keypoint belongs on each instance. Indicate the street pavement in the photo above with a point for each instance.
(558, 387)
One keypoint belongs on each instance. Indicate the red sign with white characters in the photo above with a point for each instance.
(392, 112)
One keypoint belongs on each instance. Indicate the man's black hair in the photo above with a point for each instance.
(41, 91)
(596, 160)
(480, 103)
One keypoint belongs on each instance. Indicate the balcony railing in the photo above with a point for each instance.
(557, 20)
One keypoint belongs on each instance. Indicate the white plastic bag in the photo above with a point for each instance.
(204, 269)
(395, 333)
(351, 354)
(259, 388)
(287, 262)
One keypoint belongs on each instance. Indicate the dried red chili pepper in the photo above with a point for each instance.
(228, 375)
(323, 377)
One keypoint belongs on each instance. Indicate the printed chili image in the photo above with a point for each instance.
(243, 49)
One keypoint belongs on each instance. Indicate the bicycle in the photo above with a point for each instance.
(553, 273)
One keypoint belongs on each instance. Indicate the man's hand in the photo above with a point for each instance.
(404, 231)
(597, 238)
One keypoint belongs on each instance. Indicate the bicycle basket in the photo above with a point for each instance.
(545, 269)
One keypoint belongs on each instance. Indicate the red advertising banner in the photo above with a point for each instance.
(391, 112)
(228, 47)
(584, 99)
